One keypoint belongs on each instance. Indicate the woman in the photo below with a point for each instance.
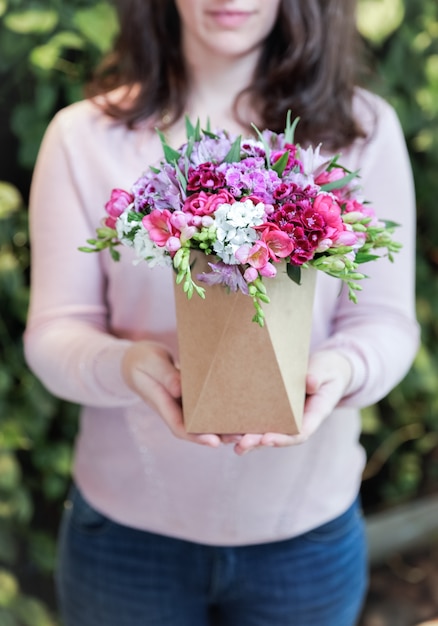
(163, 528)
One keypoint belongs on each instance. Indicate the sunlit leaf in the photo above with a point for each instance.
(10, 199)
(98, 24)
(31, 21)
(378, 19)
(3, 7)
(31, 612)
(9, 471)
(46, 56)
(8, 588)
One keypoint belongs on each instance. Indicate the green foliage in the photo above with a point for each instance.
(400, 434)
(47, 50)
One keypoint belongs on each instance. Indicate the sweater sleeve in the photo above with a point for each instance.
(67, 343)
(380, 334)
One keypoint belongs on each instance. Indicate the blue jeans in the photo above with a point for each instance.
(113, 575)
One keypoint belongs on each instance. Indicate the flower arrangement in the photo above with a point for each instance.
(250, 203)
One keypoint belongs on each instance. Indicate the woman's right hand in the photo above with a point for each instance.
(149, 370)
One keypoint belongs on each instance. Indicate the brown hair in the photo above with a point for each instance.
(308, 64)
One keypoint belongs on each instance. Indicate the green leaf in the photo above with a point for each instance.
(265, 144)
(378, 19)
(362, 257)
(289, 133)
(280, 164)
(98, 24)
(208, 133)
(10, 200)
(45, 57)
(188, 154)
(338, 184)
(9, 588)
(31, 21)
(294, 273)
(193, 132)
(9, 471)
(390, 224)
(181, 177)
(233, 156)
(190, 129)
(115, 254)
(170, 154)
(3, 7)
(31, 612)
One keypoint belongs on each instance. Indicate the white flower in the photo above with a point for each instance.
(124, 228)
(147, 250)
(235, 227)
(312, 160)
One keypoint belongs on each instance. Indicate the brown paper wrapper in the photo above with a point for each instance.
(237, 377)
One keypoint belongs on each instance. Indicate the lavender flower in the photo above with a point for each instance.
(158, 191)
(227, 275)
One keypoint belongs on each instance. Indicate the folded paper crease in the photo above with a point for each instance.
(236, 376)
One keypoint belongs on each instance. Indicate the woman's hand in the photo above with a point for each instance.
(148, 369)
(328, 377)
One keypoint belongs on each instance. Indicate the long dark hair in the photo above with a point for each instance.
(309, 65)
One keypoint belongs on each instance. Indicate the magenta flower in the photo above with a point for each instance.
(116, 205)
(205, 176)
(203, 203)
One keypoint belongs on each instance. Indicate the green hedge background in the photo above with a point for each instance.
(47, 51)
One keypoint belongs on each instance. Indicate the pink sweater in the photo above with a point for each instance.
(85, 309)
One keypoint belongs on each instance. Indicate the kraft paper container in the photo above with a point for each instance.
(236, 376)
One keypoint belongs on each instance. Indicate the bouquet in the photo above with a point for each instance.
(248, 204)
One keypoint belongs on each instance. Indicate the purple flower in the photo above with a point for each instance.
(222, 274)
(158, 191)
(250, 177)
(210, 149)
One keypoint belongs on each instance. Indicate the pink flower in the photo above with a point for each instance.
(179, 220)
(215, 200)
(116, 205)
(329, 177)
(159, 226)
(268, 270)
(250, 274)
(173, 244)
(329, 209)
(203, 203)
(347, 238)
(257, 256)
(279, 244)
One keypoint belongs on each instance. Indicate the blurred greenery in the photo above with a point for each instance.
(47, 50)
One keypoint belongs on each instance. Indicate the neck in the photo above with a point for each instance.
(215, 83)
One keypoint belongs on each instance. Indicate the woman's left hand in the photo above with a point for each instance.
(328, 377)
